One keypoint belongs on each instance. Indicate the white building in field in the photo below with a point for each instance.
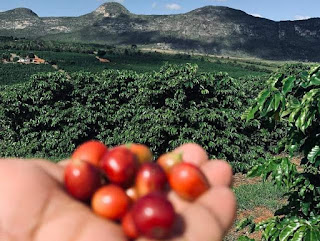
(24, 61)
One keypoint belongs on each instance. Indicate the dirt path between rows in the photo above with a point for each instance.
(259, 213)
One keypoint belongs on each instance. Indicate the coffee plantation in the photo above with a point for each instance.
(54, 112)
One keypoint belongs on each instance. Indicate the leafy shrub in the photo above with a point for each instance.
(53, 113)
(19, 73)
(294, 99)
(6, 56)
(101, 53)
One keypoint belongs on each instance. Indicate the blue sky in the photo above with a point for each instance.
(271, 9)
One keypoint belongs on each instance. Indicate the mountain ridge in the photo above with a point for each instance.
(210, 29)
(20, 11)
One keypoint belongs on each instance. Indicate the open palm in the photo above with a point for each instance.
(34, 205)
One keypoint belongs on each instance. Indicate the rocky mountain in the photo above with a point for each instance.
(211, 29)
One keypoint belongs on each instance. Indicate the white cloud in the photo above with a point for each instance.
(154, 5)
(256, 15)
(173, 6)
(300, 17)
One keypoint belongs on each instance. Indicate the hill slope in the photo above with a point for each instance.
(211, 29)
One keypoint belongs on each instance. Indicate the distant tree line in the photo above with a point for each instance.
(12, 43)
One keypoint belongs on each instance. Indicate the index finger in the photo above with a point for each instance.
(192, 153)
(52, 169)
(218, 172)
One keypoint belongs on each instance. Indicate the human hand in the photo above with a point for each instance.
(34, 205)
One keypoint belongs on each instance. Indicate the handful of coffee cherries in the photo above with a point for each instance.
(123, 184)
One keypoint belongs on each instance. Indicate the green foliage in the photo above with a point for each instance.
(139, 62)
(101, 53)
(73, 62)
(31, 55)
(6, 56)
(289, 228)
(18, 73)
(142, 62)
(40, 45)
(244, 238)
(125, 58)
(53, 113)
(293, 98)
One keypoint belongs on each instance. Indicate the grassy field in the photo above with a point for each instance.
(147, 62)
(134, 60)
(255, 199)
(151, 62)
(260, 194)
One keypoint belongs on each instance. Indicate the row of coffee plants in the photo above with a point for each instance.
(292, 97)
(54, 112)
(72, 62)
(18, 73)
